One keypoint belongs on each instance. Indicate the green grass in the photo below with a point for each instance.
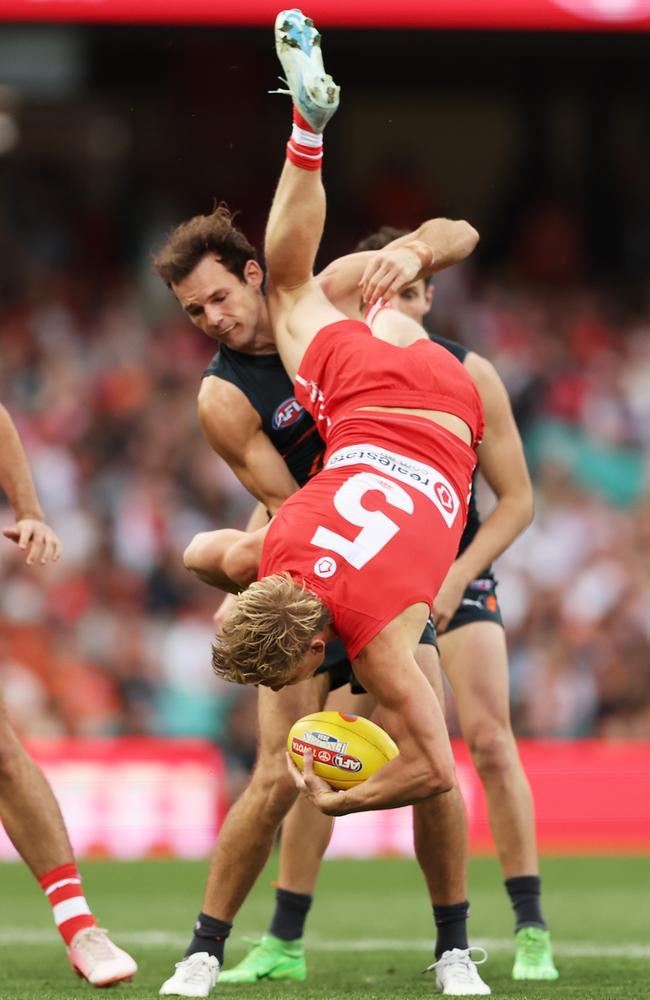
(596, 907)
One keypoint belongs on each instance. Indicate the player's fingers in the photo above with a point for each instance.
(11, 533)
(298, 779)
(49, 546)
(25, 531)
(308, 765)
(373, 284)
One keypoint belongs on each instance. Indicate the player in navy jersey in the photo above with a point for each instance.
(474, 657)
(219, 284)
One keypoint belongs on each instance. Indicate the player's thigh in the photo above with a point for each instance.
(428, 661)
(475, 660)
(278, 710)
(297, 317)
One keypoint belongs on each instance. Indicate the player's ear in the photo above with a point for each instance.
(317, 646)
(253, 274)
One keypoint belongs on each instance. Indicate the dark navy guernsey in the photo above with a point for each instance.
(269, 390)
(473, 518)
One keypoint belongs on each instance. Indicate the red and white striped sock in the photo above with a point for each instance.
(62, 886)
(305, 147)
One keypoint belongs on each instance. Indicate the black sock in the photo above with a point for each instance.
(209, 935)
(291, 909)
(525, 895)
(451, 924)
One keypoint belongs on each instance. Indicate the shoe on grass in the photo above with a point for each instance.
(269, 958)
(195, 976)
(457, 975)
(94, 957)
(534, 955)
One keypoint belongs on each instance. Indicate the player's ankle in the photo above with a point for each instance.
(70, 909)
(305, 146)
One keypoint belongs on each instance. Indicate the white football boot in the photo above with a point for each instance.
(297, 44)
(94, 957)
(195, 976)
(457, 975)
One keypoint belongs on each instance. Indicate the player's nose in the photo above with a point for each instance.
(213, 313)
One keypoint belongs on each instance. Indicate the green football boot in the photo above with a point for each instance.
(534, 955)
(270, 958)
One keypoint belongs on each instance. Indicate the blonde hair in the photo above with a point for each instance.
(264, 639)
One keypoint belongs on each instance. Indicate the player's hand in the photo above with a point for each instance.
(387, 271)
(447, 600)
(320, 794)
(37, 538)
(222, 612)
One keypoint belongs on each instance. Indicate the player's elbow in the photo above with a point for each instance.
(194, 556)
(468, 236)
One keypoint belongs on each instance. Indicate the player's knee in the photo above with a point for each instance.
(194, 554)
(493, 750)
(272, 788)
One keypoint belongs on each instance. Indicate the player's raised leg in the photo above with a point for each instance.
(34, 824)
(246, 838)
(475, 661)
(297, 215)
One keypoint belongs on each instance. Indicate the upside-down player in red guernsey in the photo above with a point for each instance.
(363, 548)
(376, 531)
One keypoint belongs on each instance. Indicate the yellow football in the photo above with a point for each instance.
(347, 749)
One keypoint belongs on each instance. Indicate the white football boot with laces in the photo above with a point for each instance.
(94, 957)
(297, 43)
(195, 976)
(457, 975)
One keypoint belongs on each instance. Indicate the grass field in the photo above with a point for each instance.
(369, 931)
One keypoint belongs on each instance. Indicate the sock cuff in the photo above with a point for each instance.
(63, 873)
(524, 883)
(209, 927)
(301, 137)
(447, 913)
(300, 901)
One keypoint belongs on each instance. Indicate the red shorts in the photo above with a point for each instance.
(372, 534)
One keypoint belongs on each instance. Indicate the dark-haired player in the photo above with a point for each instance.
(221, 291)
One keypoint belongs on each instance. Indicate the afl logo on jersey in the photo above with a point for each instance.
(289, 412)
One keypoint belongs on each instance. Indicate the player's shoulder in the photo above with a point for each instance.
(224, 404)
(453, 346)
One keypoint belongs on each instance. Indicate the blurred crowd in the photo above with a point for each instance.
(115, 638)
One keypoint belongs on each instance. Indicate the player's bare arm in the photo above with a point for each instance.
(233, 429)
(503, 464)
(411, 713)
(371, 274)
(30, 532)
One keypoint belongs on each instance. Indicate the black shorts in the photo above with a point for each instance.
(339, 668)
(479, 604)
